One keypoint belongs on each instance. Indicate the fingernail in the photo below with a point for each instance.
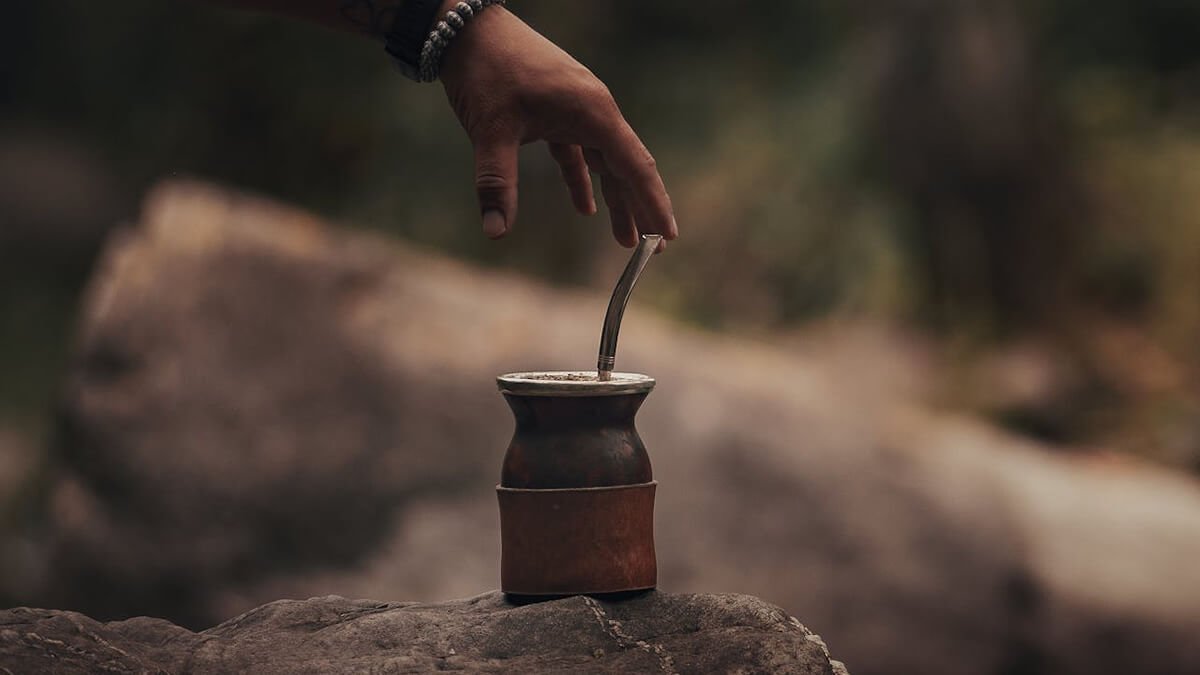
(493, 224)
(674, 227)
(592, 207)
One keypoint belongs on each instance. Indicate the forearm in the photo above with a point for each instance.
(371, 18)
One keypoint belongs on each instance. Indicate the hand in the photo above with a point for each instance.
(509, 86)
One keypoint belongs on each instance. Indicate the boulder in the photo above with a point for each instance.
(263, 406)
(651, 633)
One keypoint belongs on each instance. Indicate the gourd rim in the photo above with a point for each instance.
(573, 383)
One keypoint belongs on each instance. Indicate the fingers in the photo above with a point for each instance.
(640, 172)
(632, 163)
(496, 185)
(595, 136)
(575, 175)
(624, 224)
(624, 227)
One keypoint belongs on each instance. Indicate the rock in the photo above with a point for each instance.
(262, 406)
(655, 632)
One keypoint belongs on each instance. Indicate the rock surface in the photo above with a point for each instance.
(652, 633)
(262, 406)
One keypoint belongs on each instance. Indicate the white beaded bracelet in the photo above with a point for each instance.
(443, 32)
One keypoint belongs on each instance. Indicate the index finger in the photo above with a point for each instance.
(631, 163)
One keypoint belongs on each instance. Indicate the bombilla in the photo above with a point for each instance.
(616, 306)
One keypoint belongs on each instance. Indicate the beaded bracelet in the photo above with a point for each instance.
(442, 33)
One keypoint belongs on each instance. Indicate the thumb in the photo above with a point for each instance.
(496, 185)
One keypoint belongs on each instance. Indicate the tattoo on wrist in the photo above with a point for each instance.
(371, 16)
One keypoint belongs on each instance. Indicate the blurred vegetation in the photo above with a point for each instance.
(988, 170)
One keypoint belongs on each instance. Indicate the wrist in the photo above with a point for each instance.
(470, 40)
(446, 32)
(419, 55)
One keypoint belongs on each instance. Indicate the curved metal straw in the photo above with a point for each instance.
(616, 306)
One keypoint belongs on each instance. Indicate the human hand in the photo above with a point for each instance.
(510, 86)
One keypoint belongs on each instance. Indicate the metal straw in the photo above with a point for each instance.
(616, 306)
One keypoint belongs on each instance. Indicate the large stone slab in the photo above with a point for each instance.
(652, 633)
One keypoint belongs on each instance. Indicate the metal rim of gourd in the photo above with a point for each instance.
(573, 383)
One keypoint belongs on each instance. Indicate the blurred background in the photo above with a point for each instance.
(990, 205)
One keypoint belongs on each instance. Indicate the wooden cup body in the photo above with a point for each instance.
(576, 498)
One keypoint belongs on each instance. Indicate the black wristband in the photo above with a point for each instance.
(408, 32)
